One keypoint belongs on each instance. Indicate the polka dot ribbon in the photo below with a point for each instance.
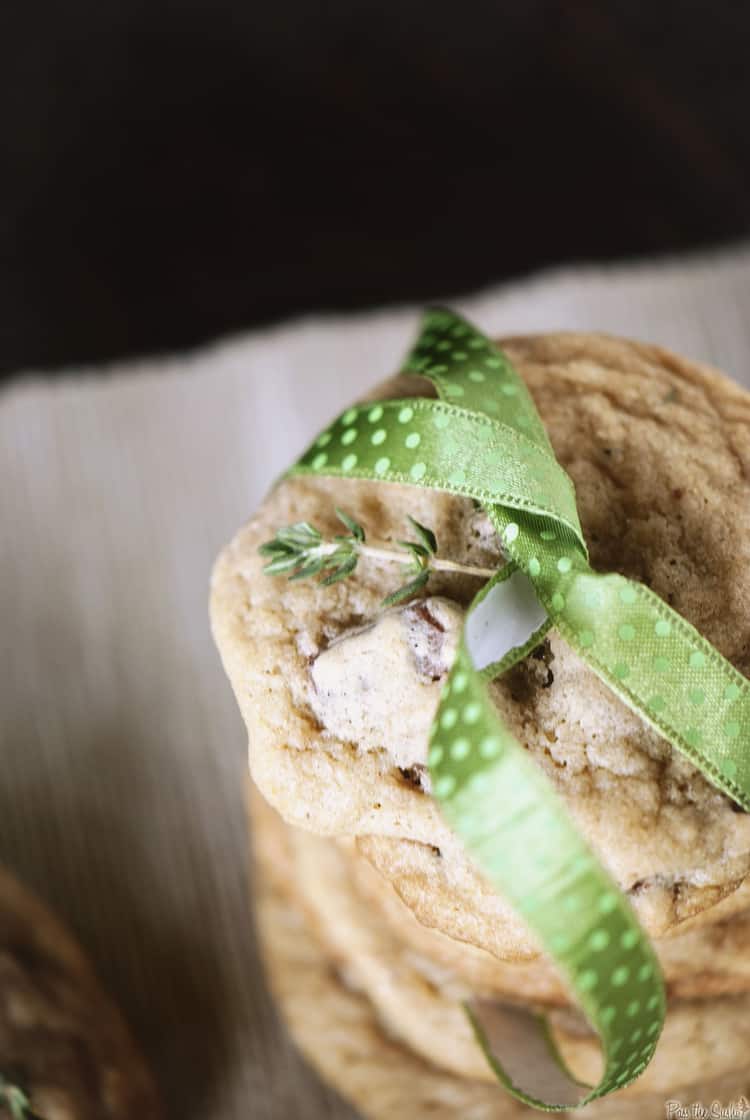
(484, 439)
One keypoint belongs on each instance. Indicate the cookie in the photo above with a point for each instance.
(62, 1042)
(712, 960)
(421, 1003)
(339, 1032)
(468, 911)
(659, 451)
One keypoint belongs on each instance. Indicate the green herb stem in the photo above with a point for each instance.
(389, 556)
(299, 551)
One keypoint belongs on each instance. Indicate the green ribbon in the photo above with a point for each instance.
(484, 439)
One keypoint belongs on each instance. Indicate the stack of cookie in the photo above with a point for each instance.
(359, 871)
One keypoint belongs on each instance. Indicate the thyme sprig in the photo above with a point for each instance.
(300, 551)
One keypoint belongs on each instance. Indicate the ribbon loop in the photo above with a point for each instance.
(523, 839)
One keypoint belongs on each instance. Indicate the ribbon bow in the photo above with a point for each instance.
(484, 439)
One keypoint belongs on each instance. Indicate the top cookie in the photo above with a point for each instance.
(338, 699)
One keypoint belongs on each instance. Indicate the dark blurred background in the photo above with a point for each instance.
(173, 170)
